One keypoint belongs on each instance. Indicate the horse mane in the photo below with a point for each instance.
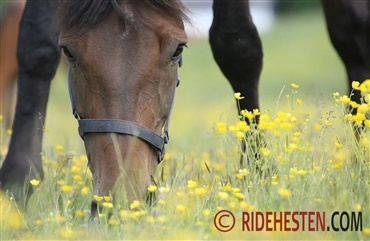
(85, 14)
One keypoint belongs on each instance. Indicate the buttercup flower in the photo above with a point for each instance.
(355, 85)
(192, 184)
(238, 96)
(59, 148)
(294, 86)
(35, 182)
(66, 188)
(152, 188)
(221, 127)
(283, 192)
(98, 198)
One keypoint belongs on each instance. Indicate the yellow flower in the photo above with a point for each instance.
(344, 99)
(14, 219)
(355, 85)
(363, 108)
(9, 131)
(35, 182)
(162, 219)
(358, 208)
(293, 171)
(192, 184)
(38, 222)
(108, 204)
(236, 189)
(164, 189)
(359, 117)
(265, 151)
(221, 127)
(302, 172)
(354, 104)
(152, 188)
(337, 144)
(366, 231)
(59, 148)
(247, 114)
(238, 96)
(223, 195)
(66, 188)
(239, 195)
(85, 190)
(242, 126)
(80, 213)
(239, 135)
(299, 101)
(365, 86)
(75, 169)
(336, 94)
(256, 112)
(135, 204)
(98, 198)
(77, 178)
(113, 221)
(107, 198)
(242, 173)
(150, 219)
(283, 192)
(180, 208)
(227, 188)
(294, 86)
(200, 191)
(206, 212)
(327, 123)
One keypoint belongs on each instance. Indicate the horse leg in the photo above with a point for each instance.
(9, 28)
(38, 57)
(348, 24)
(237, 49)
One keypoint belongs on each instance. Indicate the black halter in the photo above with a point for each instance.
(123, 126)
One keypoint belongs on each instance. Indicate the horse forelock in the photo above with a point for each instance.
(85, 14)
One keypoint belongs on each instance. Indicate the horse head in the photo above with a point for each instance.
(123, 59)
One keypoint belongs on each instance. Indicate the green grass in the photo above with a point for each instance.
(307, 163)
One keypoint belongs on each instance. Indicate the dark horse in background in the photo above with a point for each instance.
(123, 58)
(10, 17)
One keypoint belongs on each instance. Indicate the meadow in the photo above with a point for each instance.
(310, 159)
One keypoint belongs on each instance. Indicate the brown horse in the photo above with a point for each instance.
(9, 29)
(123, 61)
(123, 57)
(136, 48)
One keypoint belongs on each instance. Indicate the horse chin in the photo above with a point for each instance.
(121, 165)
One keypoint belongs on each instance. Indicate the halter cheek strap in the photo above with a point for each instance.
(123, 126)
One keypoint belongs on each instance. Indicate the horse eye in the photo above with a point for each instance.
(178, 51)
(68, 54)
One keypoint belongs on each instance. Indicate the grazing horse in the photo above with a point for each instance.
(123, 58)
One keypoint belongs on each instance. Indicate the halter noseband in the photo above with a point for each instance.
(123, 126)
